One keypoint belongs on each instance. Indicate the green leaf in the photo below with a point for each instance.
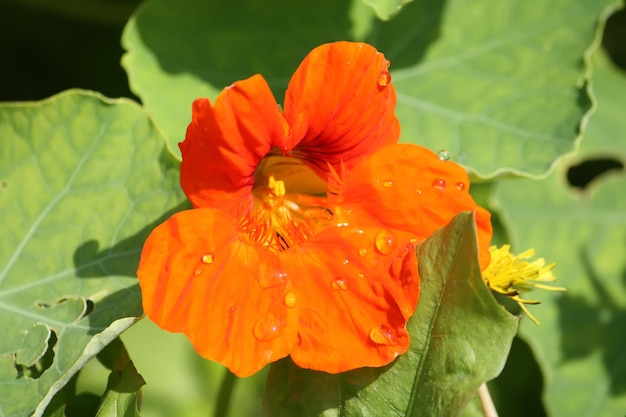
(479, 79)
(460, 337)
(476, 78)
(386, 9)
(606, 133)
(123, 389)
(181, 50)
(579, 344)
(83, 180)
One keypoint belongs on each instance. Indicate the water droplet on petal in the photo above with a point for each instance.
(384, 79)
(439, 183)
(271, 278)
(231, 309)
(460, 186)
(361, 275)
(362, 251)
(346, 261)
(207, 258)
(268, 327)
(198, 272)
(339, 284)
(387, 63)
(385, 241)
(290, 299)
(381, 335)
(386, 183)
(443, 155)
(419, 191)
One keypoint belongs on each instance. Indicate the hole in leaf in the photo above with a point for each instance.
(42, 364)
(582, 174)
(89, 306)
(614, 35)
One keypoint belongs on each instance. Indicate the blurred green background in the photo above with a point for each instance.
(50, 46)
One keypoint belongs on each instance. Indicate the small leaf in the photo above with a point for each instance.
(123, 389)
(460, 337)
(83, 180)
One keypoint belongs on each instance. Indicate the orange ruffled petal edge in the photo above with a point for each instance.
(334, 303)
(339, 107)
(413, 190)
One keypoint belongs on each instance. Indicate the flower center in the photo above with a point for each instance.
(290, 204)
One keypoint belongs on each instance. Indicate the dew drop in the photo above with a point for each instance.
(231, 309)
(384, 79)
(439, 183)
(207, 258)
(346, 262)
(290, 300)
(386, 183)
(339, 284)
(362, 252)
(460, 186)
(381, 335)
(443, 155)
(198, 272)
(385, 241)
(361, 275)
(268, 327)
(270, 278)
(418, 191)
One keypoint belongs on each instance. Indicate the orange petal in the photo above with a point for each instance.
(225, 142)
(355, 293)
(340, 105)
(408, 187)
(198, 277)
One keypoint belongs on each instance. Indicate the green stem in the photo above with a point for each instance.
(223, 398)
(486, 403)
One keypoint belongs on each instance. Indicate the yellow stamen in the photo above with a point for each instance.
(279, 219)
(511, 275)
(276, 187)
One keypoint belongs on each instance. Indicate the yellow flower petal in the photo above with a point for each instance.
(511, 275)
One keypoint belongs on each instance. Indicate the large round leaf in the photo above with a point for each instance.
(501, 85)
(580, 342)
(82, 182)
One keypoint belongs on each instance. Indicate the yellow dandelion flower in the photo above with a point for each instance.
(511, 275)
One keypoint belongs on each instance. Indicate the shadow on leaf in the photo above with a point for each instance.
(272, 38)
(588, 327)
(121, 259)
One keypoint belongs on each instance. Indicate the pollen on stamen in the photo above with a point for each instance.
(511, 275)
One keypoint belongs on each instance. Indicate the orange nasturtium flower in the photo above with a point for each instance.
(302, 237)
